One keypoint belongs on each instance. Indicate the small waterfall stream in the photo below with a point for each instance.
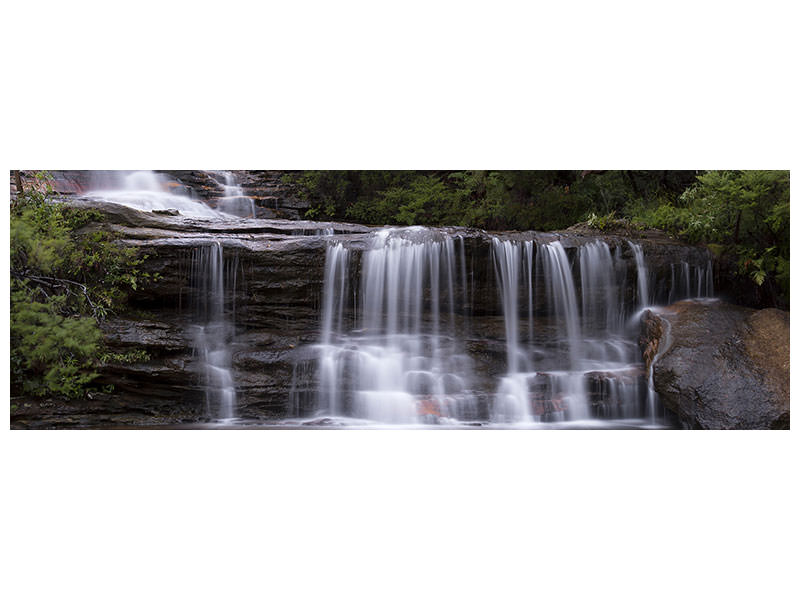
(641, 275)
(147, 191)
(234, 201)
(213, 278)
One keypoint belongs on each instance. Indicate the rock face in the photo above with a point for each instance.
(275, 197)
(720, 366)
(275, 298)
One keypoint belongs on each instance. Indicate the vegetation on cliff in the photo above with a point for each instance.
(63, 283)
(743, 216)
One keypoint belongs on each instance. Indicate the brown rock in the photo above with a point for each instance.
(723, 366)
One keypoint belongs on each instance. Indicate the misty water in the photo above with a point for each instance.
(397, 342)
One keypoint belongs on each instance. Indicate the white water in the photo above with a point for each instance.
(641, 275)
(538, 389)
(212, 278)
(234, 201)
(147, 191)
(691, 281)
(395, 319)
(580, 359)
(389, 352)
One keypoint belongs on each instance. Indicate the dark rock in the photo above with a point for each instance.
(279, 268)
(721, 366)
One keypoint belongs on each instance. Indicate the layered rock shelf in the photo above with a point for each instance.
(707, 364)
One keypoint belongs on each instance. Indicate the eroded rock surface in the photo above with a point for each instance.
(279, 267)
(721, 366)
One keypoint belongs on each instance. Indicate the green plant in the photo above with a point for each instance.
(741, 213)
(125, 358)
(64, 280)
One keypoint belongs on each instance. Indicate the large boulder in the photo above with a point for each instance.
(720, 366)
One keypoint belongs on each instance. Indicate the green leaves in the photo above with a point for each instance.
(732, 210)
(62, 282)
(50, 353)
(743, 213)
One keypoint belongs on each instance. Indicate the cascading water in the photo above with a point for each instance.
(147, 191)
(395, 322)
(691, 281)
(641, 275)
(511, 403)
(396, 357)
(212, 278)
(576, 364)
(551, 385)
(234, 201)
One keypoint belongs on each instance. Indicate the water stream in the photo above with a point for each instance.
(397, 353)
(213, 278)
(234, 201)
(399, 359)
(400, 342)
(147, 191)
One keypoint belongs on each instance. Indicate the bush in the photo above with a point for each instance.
(743, 213)
(63, 282)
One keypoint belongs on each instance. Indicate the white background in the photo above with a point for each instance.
(398, 514)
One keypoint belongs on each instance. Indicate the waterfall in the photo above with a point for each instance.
(580, 361)
(398, 360)
(334, 297)
(641, 274)
(566, 380)
(600, 306)
(561, 297)
(684, 284)
(396, 345)
(233, 201)
(511, 402)
(508, 265)
(146, 191)
(211, 277)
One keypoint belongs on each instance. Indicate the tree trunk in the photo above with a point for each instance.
(18, 183)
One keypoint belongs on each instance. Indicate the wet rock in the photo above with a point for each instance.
(277, 273)
(722, 366)
(652, 328)
(271, 191)
(159, 336)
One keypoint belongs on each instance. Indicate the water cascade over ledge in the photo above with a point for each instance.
(397, 358)
(339, 324)
(213, 278)
(147, 191)
(396, 331)
(233, 201)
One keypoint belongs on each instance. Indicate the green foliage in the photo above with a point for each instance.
(601, 223)
(125, 358)
(743, 213)
(542, 200)
(50, 353)
(63, 281)
(425, 200)
(740, 213)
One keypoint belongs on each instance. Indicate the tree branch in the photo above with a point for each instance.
(56, 282)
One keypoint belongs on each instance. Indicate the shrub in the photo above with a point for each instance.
(63, 282)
